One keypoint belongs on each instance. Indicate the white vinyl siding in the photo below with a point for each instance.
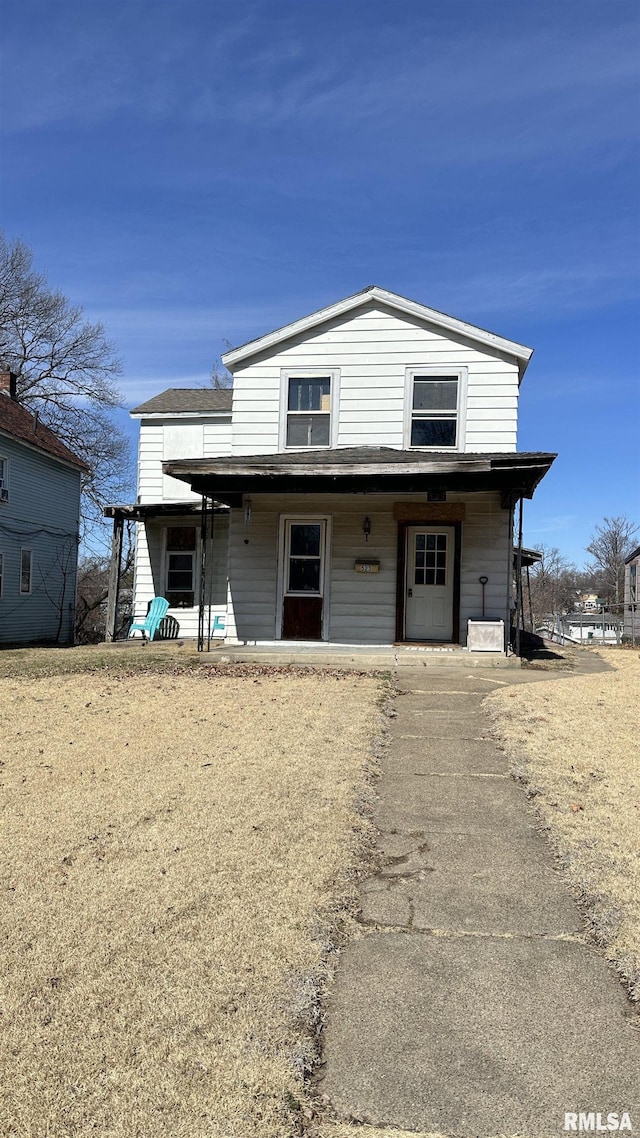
(362, 608)
(373, 348)
(200, 437)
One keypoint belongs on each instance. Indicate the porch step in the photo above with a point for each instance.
(360, 657)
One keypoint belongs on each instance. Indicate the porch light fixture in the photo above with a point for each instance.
(247, 511)
(366, 527)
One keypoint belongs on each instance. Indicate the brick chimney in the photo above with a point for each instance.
(8, 383)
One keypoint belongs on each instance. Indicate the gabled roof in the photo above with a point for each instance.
(20, 424)
(632, 556)
(182, 400)
(373, 293)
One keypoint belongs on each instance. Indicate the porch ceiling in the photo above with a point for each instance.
(357, 470)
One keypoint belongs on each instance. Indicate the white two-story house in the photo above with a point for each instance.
(360, 482)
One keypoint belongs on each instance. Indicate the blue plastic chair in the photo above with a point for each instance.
(149, 626)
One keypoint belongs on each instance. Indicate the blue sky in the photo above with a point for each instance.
(197, 172)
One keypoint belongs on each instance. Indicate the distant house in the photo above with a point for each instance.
(588, 602)
(361, 482)
(631, 598)
(582, 628)
(40, 485)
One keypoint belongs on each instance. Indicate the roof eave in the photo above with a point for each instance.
(179, 414)
(392, 300)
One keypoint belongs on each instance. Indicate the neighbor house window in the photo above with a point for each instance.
(433, 405)
(4, 479)
(633, 579)
(307, 411)
(26, 558)
(181, 565)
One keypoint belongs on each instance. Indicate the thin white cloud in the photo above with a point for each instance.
(465, 96)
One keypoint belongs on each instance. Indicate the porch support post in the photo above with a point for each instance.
(203, 573)
(212, 553)
(114, 577)
(519, 604)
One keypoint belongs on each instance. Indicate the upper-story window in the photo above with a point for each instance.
(308, 415)
(435, 409)
(4, 479)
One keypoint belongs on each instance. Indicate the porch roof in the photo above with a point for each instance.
(361, 470)
(138, 512)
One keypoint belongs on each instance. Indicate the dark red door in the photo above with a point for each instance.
(304, 580)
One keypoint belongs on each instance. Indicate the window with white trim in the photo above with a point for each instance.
(307, 411)
(434, 410)
(26, 565)
(4, 479)
(180, 566)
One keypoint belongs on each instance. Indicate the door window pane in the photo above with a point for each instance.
(305, 540)
(304, 575)
(430, 565)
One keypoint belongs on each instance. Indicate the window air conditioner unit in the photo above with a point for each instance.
(485, 636)
(4, 494)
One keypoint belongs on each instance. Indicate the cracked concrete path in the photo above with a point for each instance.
(474, 1004)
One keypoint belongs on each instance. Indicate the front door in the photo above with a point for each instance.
(304, 576)
(429, 583)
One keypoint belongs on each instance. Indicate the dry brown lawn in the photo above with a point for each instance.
(178, 854)
(575, 742)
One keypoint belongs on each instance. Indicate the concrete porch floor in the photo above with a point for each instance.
(361, 656)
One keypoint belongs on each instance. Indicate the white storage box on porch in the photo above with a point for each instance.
(485, 635)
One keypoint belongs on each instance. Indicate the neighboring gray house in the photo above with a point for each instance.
(364, 472)
(40, 485)
(632, 597)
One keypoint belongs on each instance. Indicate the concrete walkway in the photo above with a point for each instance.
(475, 1005)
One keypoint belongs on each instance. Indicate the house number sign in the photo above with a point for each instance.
(367, 566)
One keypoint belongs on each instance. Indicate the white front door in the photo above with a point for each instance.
(429, 583)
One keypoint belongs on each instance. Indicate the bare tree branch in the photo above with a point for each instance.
(67, 371)
(611, 543)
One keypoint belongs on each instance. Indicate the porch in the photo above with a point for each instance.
(367, 545)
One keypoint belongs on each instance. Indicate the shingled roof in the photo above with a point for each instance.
(19, 423)
(182, 400)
